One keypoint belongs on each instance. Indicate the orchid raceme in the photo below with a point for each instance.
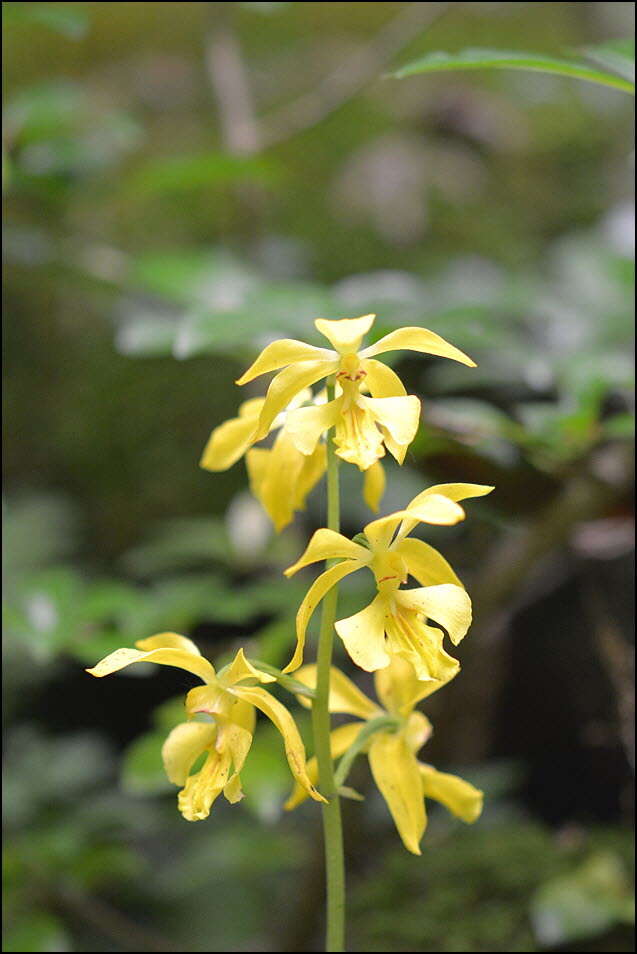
(364, 426)
(230, 699)
(361, 412)
(404, 781)
(281, 476)
(396, 622)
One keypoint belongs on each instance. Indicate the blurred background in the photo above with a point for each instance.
(184, 182)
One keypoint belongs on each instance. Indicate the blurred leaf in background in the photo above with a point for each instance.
(617, 60)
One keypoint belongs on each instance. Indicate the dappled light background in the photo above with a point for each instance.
(183, 183)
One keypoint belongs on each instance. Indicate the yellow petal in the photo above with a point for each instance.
(461, 798)
(312, 469)
(417, 730)
(399, 415)
(285, 386)
(239, 669)
(340, 741)
(168, 641)
(303, 397)
(183, 747)
(230, 440)
(164, 657)
(425, 563)
(279, 354)
(214, 700)
(455, 492)
(396, 774)
(380, 532)
(232, 789)
(345, 696)
(357, 438)
(244, 715)
(282, 477)
(200, 791)
(251, 408)
(452, 492)
(279, 715)
(435, 509)
(409, 637)
(417, 339)
(364, 635)
(345, 334)
(399, 451)
(329, 545)
(273, 477)
(312, 598)
(236, 740)
(399, 688)
(306, 425)
(374, 485)
(257, 460)
(445, 604)
(381, 380)
(232, 743)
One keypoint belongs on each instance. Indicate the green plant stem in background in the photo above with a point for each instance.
(332, 825)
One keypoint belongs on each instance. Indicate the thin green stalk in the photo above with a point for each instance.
(332, 826)
(379, 724)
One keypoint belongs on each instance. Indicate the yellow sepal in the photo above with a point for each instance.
(417, 339)
(397, 775)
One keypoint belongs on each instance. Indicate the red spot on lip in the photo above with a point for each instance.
(382, 580)
(352, 377)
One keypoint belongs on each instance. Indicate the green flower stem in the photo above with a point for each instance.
(287, 682)
(382, 723)
(332, 825)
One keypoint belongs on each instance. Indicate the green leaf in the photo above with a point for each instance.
(616, 57)
(485, 59)
(38, 529)
(620, 426)
(62, 18)
(182, 173)
(44, 110)
(37, 932)
(142, 768)
(210, 277)
(584, 903)
(180, 544)
(213, 303)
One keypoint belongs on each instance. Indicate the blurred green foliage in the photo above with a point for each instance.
(487, 873)
(157, 233)
(616, 59)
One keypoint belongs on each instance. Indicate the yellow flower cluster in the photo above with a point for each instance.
(227, 701)
(403, 781)
(370, 413)
(399, 636)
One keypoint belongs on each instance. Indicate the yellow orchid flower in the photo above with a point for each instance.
(404, 782)
(281, 476)
(364, 426)
(396, 622)
(230, 697)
